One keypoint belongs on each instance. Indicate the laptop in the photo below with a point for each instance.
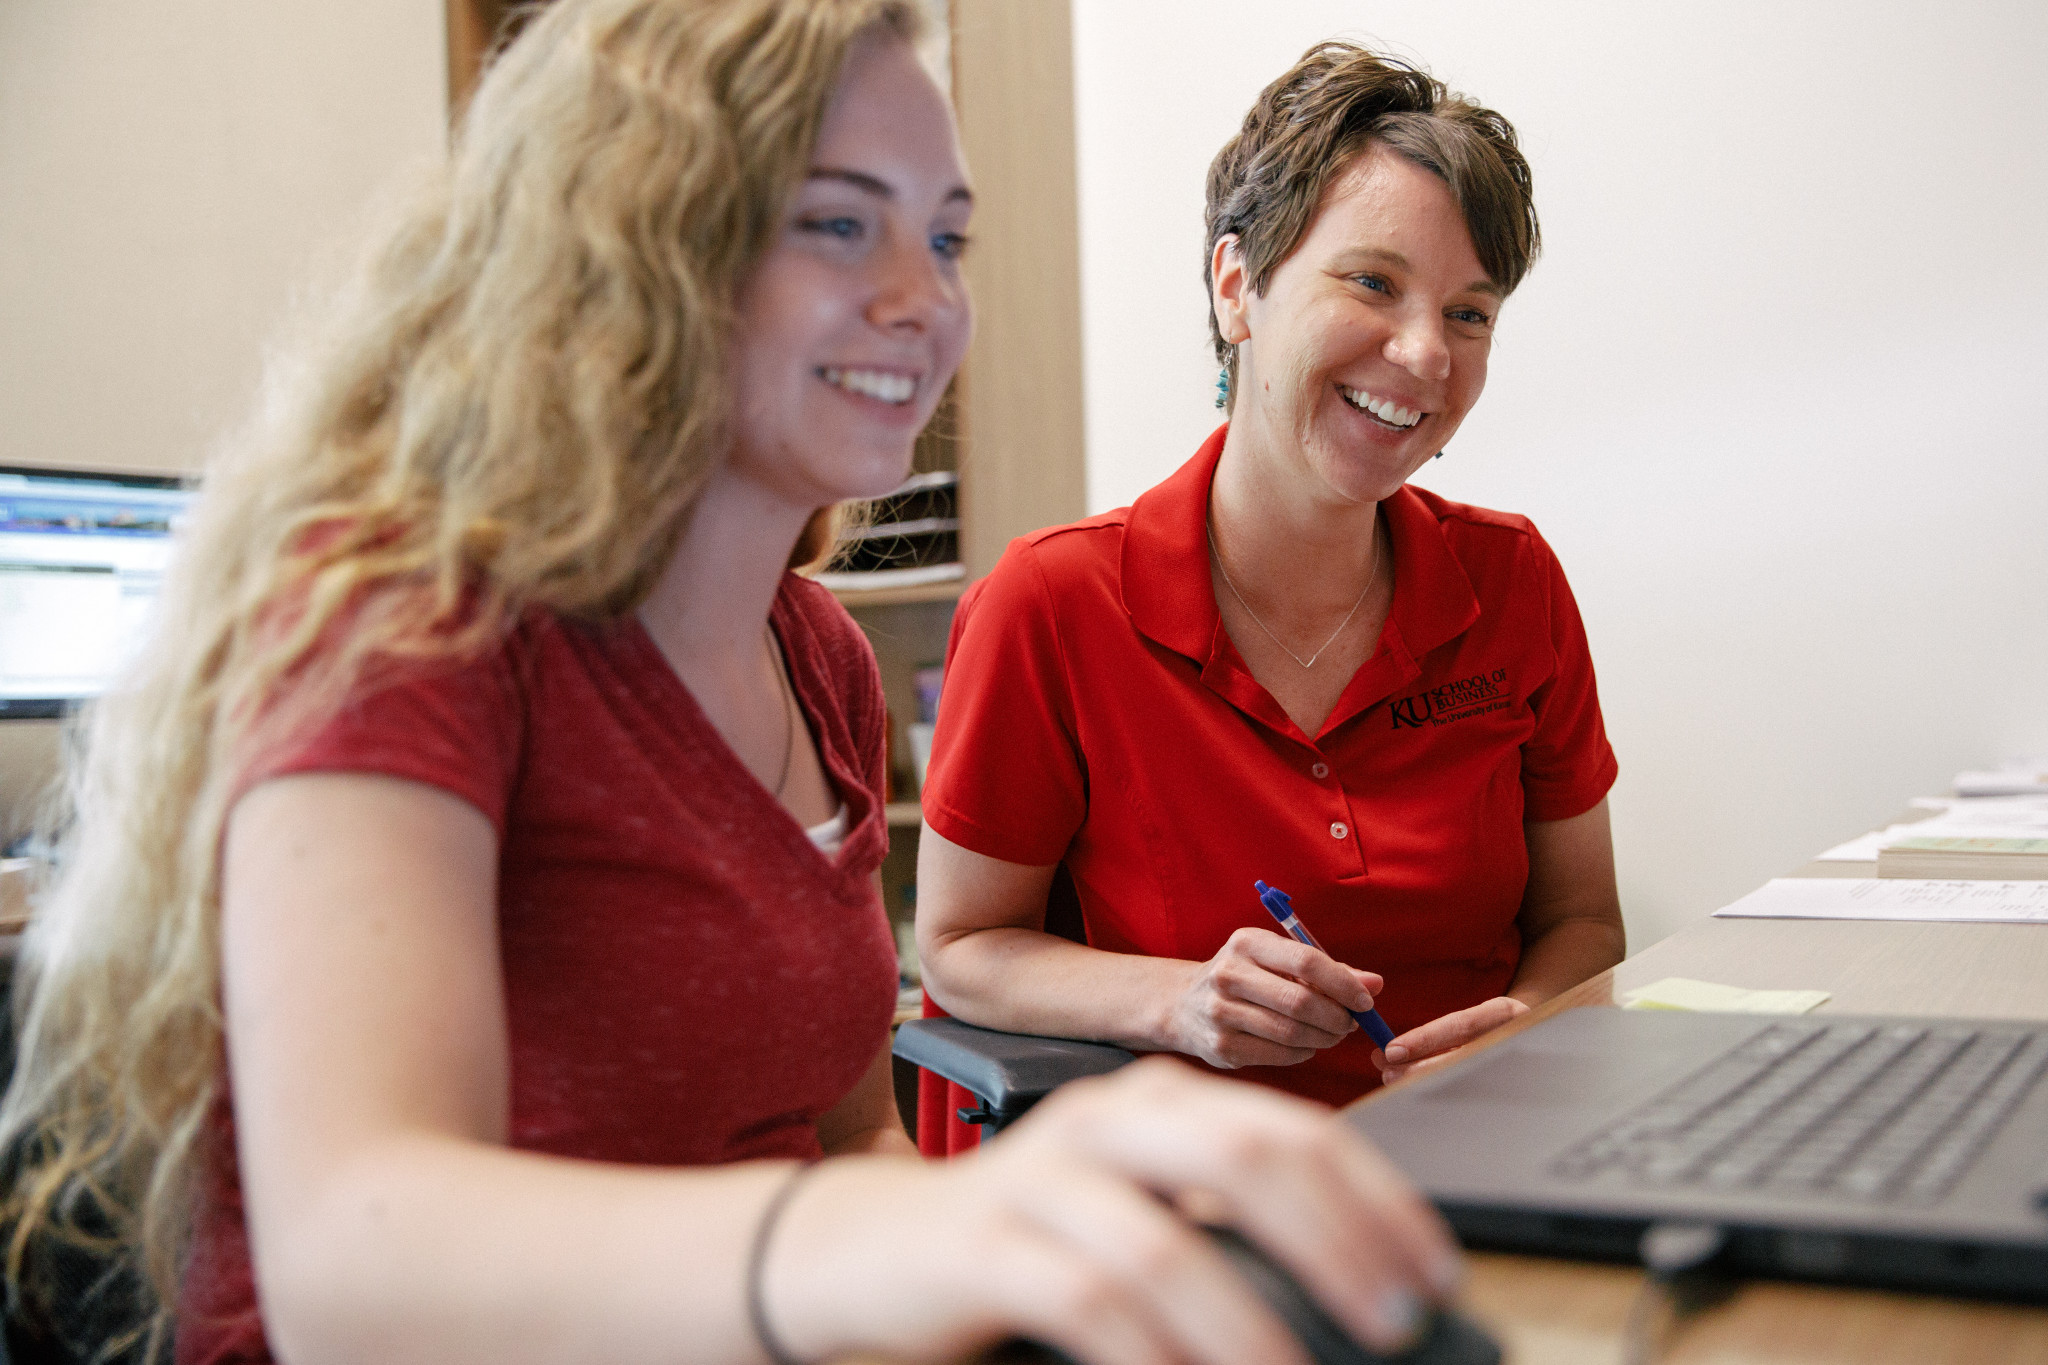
(1899, 1152)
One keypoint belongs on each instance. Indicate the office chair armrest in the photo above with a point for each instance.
(1009, 1072)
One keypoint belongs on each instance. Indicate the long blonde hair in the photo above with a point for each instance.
(514, 406)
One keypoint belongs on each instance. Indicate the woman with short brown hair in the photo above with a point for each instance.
(1284, 664)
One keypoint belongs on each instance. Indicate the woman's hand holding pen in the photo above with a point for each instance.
(1437, 1042)
(1074, 1228)
(1266, 1000)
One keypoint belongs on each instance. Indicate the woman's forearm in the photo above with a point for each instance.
(1026, 981)
(1571, 912)
(440, 1249)
(1563, 955)
(1261, 1000)
(987, 959)
(436, 1249)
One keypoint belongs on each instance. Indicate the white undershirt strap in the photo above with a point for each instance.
(831, 834)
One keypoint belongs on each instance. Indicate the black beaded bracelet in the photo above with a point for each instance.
(757, 1257)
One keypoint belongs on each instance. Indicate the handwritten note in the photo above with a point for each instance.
(1898, 898)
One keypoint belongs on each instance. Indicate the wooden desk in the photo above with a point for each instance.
(1550, 1312)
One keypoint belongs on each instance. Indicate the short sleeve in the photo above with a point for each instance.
(453, 724)
(1567, 764)
(1006, 777)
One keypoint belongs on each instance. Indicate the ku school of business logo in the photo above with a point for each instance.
(1459, 700)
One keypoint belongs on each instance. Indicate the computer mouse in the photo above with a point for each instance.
(1448, 1338)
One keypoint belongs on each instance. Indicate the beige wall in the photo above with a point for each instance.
(169, 174)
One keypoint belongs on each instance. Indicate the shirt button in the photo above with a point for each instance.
(1338, 829)
(1321, 770)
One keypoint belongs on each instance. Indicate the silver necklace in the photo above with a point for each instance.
(788, 712)
(1310, 661)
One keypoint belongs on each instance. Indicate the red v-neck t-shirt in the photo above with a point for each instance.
(1096, 714)
(688, 980)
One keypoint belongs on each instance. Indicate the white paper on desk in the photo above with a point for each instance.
(1895, 898)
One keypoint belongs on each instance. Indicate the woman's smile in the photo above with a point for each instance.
(893, 388)
(1384, 411)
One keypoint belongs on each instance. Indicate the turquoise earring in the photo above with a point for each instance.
(1223, 387)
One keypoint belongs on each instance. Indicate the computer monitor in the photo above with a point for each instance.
(81, 555)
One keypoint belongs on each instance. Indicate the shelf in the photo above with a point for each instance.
(891, 597)
(903, 814)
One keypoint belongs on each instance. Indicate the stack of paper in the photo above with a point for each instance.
(1957, 855)
(2008, 817)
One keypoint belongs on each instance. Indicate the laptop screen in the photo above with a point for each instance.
(81, 555)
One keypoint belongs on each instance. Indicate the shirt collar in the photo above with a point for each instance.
(1433, 597)
(1166, 584)
(1166, 556)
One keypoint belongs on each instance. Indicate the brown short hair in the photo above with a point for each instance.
(1307, 126)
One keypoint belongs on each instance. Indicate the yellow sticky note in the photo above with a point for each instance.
(1680, 993)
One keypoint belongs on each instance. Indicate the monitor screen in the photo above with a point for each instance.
(81, 554)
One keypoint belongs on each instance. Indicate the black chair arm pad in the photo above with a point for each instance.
(1009, 1071)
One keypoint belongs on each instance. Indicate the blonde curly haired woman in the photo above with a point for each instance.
(466, 940)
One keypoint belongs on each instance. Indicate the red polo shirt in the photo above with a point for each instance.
(1097, 714)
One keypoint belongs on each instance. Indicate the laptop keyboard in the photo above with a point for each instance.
(1868, 1111)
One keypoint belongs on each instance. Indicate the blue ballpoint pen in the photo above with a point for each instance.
(1276, 903)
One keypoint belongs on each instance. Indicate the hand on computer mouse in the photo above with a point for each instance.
(1066, 1229)
(1445, 1337)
